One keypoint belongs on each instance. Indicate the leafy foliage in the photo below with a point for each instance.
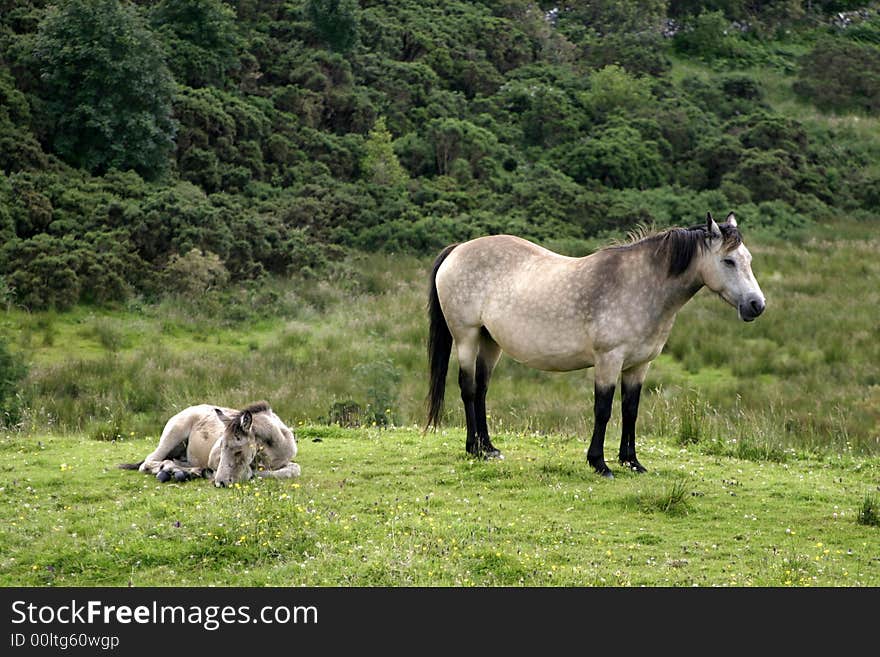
(841, 75)
(274, 136)
(106, 87)
(12, 372)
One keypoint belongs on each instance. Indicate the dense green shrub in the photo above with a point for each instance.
(710, 36)
(841, 75)
(336, 21)
(106, 87)
(617, 156)
(201, 39)
(613, 91)
(13, 370)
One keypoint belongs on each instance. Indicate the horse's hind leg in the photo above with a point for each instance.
(168, 460)
(467, 347)
(487, 358)
(631, 389)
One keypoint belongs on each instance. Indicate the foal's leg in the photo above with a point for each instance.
(631, 389)
(487, 358)
(607, 371)
(171, 446)
(287, 472)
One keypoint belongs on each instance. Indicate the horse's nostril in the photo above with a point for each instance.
(757, 306)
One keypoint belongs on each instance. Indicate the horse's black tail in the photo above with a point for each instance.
(439, 346)
(129, 466)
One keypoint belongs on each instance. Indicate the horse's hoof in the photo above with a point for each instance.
(601, 467)
(180, 475)
(491, 452)
(163, 476)
(634, 465)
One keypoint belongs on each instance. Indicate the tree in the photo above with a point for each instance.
(107, 89)
(380, 164)
(201, 37)
(336, 22)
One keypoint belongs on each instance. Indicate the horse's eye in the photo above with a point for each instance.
(729, 262)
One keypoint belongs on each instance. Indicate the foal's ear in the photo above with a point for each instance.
(731, 219)
(712, 227)
(225, 419)
(245, 420)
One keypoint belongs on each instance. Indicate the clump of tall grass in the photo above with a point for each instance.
(869, 511)
(673, 501)
(690, 428)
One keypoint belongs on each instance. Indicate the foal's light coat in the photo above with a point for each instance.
(224, 444)
(612, 310)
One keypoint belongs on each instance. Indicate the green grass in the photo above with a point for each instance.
(398, 508)
(762, 442)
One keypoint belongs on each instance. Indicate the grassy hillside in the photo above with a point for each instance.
(396, 508)
(275, 137)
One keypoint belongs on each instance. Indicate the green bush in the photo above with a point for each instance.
(841, 75)
(710, 36)
(617, 156)
(13, 370)
(106, 87)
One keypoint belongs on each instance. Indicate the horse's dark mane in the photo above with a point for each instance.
(257, 407)
(678, 246)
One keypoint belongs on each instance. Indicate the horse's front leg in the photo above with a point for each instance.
(607, 371)
(631, 391)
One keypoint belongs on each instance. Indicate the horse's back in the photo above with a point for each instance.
(525, 296)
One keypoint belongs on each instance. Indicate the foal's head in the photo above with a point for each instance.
(238, 447)
(726, 268)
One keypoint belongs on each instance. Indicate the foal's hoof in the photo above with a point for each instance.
(180, 475)
(163, 476)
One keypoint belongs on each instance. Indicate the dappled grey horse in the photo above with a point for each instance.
(222, 444)
(612, 310)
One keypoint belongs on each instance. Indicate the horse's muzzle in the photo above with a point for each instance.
(751, 309)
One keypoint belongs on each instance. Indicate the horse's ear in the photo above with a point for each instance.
(712, 227)
(225, 419)
(731, 219)
(245, 420)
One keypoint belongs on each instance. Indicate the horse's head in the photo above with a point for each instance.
(238, 447)
(726, 268)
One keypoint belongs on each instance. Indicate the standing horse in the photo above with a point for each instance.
(222, 444)
(612, 310)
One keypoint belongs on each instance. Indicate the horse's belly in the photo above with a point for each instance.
(545, 346)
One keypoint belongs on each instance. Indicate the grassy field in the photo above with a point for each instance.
(762, 440)
(804, 377)
(394, 507)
